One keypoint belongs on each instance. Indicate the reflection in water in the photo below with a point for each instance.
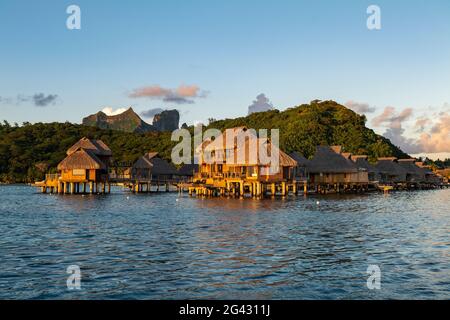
(168, 247)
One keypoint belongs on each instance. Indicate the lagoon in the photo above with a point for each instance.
(167, 246)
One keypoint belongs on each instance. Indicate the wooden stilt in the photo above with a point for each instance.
(283, 188)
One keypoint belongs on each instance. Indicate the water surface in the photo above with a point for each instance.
(162, 246)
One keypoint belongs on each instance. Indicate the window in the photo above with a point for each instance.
(78, 172)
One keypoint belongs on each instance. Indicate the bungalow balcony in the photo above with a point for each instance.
(225, 175)
(249, 175)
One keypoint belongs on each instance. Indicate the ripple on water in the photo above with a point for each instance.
(154, 247)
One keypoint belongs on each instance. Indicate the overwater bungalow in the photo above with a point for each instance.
(85, 169)
(391, 173)
(361, 161)
(431, 178)
(415, 175)
(187, 171)
(302, 163)
(235, 167)
(330, 170)
(153, 168)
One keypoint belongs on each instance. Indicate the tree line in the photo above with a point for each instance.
(29, 151)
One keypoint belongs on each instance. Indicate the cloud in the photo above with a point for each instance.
(394, 132)
(4, 100)
(177, 99)
(446, 106)
(22, 98)
(438, 137)
(111, 112)
(390, 118)
(408, 145)
(434, 132)
(184, 94)
(42, 100)
(38, 99)
(421, 123)
(262, 103)
(151, 112)
(359, 107)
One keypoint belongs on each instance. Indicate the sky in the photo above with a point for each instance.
(215, 59)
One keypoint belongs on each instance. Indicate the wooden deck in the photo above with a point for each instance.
(239, 187)
(54, 184)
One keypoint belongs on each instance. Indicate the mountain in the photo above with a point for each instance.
(128, 121)
(167, 120)
(304, 127)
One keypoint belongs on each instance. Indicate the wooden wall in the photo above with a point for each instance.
(332, 178)
(80, 175)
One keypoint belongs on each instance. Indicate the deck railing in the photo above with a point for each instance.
(225, 175)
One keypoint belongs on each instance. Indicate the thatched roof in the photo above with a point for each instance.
(301, 160)
(361, 162)
(81, 159)
(286, 161)
(390, 167)
(330, 160)
(155, 164)
(243, 142)
(98, 147)
(425, 168)
(221, 143)
(346, 155)
(188, 169)
(411, 168)
(143, 162)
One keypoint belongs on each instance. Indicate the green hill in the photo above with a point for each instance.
(28, 151)
(304, 127)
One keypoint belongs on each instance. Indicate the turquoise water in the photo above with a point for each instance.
(162, 246)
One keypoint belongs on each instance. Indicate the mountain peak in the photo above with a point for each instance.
(130, 121)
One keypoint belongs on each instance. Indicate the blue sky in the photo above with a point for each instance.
(292, 51)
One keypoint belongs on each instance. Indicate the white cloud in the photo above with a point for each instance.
(261, 104)
(111, 112)
(359, 107)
